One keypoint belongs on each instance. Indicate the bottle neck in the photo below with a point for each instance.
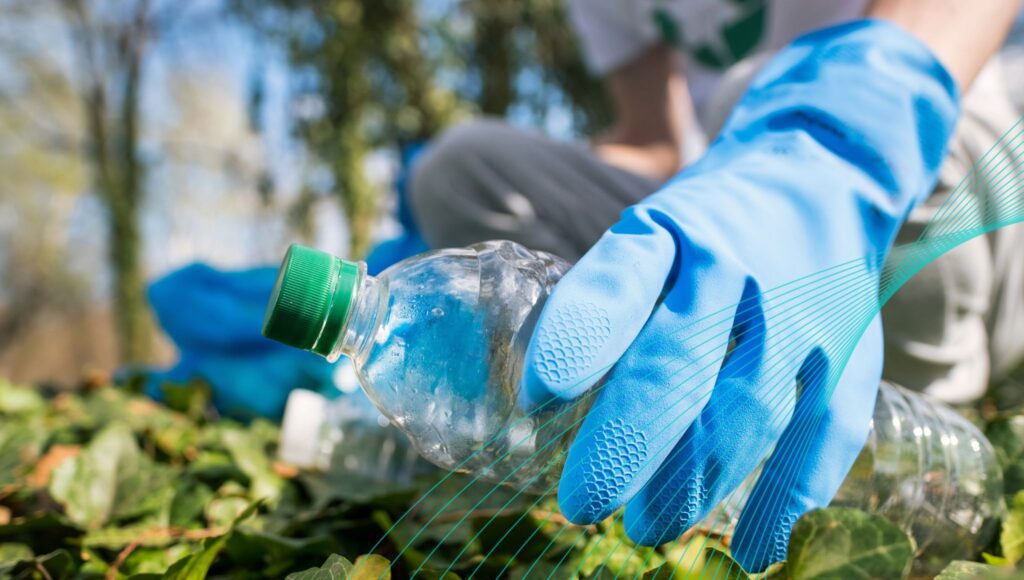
(363, 319)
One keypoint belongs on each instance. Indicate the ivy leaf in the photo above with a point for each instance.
(155, 560)
(197, 566)
(335, 568)
(251, 458)
(110, 480)
(222, 511)
(188, 504)
(612, 551)
(191, 399)
(963, 570)
(272, 553)
(847, 543)
(56, 564)
(371, 566)
(338, 568)
(1011, 539)
(719, 565)
(1007, 437)
(21, 401)
(115, 537)
(18, 449)
(12, 554)
(995, 560)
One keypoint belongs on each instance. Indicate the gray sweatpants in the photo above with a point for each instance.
(954, 326)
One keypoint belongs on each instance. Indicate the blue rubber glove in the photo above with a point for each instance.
(214, 318)
(819, 164)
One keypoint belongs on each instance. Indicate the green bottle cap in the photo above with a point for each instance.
(311, 299)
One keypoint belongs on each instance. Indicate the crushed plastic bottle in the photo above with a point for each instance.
(932, 472)
(924, 467)
(438, 340)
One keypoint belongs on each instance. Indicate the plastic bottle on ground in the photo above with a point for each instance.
(346, 433)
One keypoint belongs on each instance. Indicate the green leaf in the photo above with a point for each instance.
(191, 399)
(371, 566)
(613, 552)
(251, 458)
(12, 554)
(19, 447)
(547, 570)
(188, 504)
(963, 570)
(265, 550)
(719, 565)
(222, 511)
(1007, 437)
(196, 566)
(336, 485)
(338, 568)
(847, 543)
(155, 560)
(115, 538)
(335, 568)
(56, 564)
(19, 401)
(1011, 539)
(111, 480)
(995, 560)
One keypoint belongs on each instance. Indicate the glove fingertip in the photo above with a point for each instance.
(583, 506)
(645, 530)
(762, 539)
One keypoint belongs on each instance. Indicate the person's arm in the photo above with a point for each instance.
(650, 98)
(963, 35)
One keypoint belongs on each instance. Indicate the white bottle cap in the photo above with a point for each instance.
(301, 428)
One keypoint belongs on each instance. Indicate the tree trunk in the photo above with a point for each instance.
(125, 239)
(495, 22)
(129, 299)
(117, 171)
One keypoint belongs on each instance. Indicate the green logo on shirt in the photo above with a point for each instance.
(716, 33)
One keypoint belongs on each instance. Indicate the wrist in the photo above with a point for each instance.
(865, 94)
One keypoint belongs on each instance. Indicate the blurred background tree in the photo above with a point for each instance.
(111, 45)
(373, 74)
(139, 135)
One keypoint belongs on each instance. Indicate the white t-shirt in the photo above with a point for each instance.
(712, 35)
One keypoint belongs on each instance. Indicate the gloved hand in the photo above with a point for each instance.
(770, 249)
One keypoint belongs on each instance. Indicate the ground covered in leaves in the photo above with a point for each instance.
(103, 483)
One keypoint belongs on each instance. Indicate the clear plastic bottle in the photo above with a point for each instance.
(931, 471)
(437, 342)
(924, 467)
(346, 433)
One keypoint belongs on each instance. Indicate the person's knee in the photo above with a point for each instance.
(453, 172)
(452, 159)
